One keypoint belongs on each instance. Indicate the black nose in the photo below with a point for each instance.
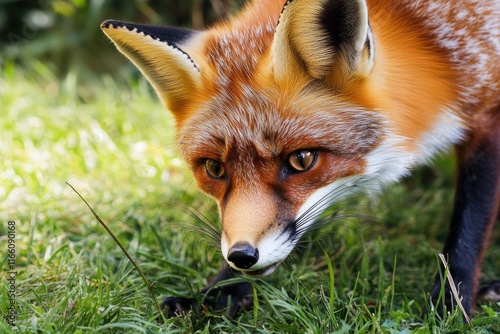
(243, 255)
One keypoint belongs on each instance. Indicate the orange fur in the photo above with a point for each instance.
(412, 78)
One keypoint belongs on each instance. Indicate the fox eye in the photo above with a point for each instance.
(302, 160)
(214, 169)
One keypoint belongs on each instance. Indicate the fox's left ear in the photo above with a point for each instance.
(331, 40)
(161, 54)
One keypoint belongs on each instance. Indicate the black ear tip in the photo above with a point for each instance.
(106, 24)
(111, 23)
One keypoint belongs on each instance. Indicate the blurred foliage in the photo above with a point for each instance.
(66, 33)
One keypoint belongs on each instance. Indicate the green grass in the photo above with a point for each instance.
(111, 140)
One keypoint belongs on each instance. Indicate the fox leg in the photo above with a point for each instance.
(475, 212)
(235, 296)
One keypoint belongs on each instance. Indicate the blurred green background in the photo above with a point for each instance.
(66, 33)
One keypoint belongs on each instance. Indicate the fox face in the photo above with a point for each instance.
(274, 162)
(291, 106)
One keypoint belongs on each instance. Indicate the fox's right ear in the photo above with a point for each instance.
(330, 40)
(159, 53)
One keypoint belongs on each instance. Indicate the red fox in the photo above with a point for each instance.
(289, 106)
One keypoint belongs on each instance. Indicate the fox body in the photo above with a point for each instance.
(290, 106)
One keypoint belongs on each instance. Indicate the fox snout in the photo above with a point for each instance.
(256, 235)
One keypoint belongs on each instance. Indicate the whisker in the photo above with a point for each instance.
(340, 191)
(322, 203)
(204, 226)
(317, 216)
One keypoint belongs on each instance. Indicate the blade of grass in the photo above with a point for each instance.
(255, 305)
(454, 290)
(331, 275)
(149, 286)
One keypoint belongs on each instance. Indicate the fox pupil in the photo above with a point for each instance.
(214, 169)
(302, 160)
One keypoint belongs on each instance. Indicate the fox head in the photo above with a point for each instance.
(273, 115)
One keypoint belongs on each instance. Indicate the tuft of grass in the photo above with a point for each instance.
(112, 140)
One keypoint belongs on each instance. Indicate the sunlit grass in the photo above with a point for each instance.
(111, 140)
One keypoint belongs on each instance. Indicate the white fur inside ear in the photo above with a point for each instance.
(371, 60)
(363, 28)
(311, 39)
(125, 38)
(170, 70)
(131, 42)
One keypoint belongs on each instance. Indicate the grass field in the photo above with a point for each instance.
(111, 140)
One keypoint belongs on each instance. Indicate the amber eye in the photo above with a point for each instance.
(214, 169)
(302, 160)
